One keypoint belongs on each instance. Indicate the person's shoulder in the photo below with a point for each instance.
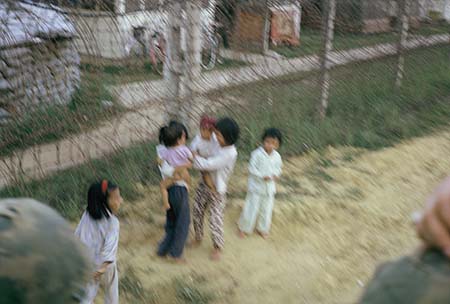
(114, 223)
(214, 142)
(84, 215)
(197, 138)
(233, 151)
(277, 154)
(160, 150)
(184, 149)
(227, 152)
(257, 152)
(160, 147)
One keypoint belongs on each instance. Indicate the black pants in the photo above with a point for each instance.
(177, 223)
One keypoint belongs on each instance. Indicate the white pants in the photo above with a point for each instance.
(257, 206)
(110, 283)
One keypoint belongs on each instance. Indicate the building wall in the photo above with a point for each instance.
(106, 35)
(442, 6)
(38, 73)
(447, 11)
(98, 35)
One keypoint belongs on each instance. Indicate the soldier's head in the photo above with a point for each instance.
(423, 277)
(41, 261)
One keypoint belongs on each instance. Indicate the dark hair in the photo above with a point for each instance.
(273, 133)
(176, 123)
(161, 134)
(98, 194)
(172, 134)
(229, 130)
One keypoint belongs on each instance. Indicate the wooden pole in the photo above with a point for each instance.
(173, 67)
(404, 19)
(328, 32)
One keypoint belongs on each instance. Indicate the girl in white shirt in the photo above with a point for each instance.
(205, 144)
(98, 230)
(220, 166)
(264, 169)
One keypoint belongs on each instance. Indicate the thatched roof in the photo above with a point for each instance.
(23, 22)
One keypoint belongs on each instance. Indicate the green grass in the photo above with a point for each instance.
(191, 292)
(111, 74)
(310, 43)
(85, 111)
(229, 63)
(50, 123)
(130, 287)
(66, 190)
(139, 71)
(432, 29)
(366, 110)
(311, 40)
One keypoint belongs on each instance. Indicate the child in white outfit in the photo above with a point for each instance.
(205, 144)
(264, 169)
(98, 230)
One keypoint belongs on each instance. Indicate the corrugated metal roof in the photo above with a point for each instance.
(26, 23)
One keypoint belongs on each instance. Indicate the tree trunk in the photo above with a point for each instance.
(266, 28)
(192, 63)
(173, 68)
(328, 32)
(404, 19)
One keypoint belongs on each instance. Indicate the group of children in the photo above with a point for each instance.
(213, 153)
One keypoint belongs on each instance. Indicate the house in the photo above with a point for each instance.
(439, 7)
(366, 16)
(38, 60)
(257, 21)
(105, 28)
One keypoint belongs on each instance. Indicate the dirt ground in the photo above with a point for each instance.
(338, 215)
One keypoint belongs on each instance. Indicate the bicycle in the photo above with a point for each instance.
(210, 46)
(210, 49)
(157, 52)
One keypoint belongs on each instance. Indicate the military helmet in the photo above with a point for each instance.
(41, 261)
(423, 278)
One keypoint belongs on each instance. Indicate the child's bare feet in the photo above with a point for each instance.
(241, 234)
(263, 235)
(216, 254)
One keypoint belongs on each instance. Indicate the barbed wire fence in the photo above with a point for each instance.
(83, 80)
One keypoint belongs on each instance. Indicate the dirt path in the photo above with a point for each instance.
(338, 215)
(137, 94)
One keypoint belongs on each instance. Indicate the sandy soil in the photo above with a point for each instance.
(337, 216)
